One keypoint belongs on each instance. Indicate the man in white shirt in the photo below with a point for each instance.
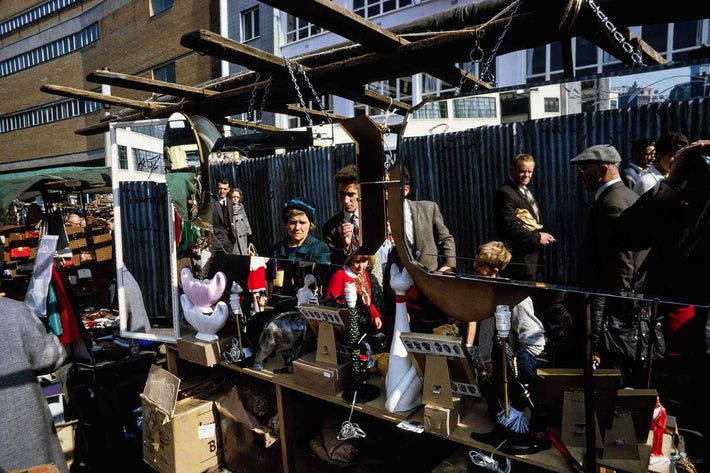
(666, 147)
(342, 231)
(643, 155)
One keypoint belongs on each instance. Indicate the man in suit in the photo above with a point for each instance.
(222, 211)
(426, 233)
(341, 231)
(518, 221)
(604, 264)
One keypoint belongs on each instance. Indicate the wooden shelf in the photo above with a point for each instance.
(476, 418)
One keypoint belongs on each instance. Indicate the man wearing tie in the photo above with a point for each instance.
(222, 210)
(518, 221)
(342, 231)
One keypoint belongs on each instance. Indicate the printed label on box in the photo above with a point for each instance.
(326, 374)
(206, 431)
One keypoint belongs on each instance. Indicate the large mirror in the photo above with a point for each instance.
(459, 152)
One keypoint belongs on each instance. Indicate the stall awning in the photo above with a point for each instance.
(76, 178)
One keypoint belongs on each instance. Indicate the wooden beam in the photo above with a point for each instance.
(253, 126)
(218, 46)
(102, 98)
(301, 112)
(148, 85)
(352, 26)
(332, 17)
(223, 48)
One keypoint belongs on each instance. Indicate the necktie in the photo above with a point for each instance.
(531, 200)
(225, 215)
(356, 230)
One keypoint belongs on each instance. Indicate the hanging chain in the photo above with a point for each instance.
(298, 91)
(263, 98)
(315, 94)
(252, 100)
(618, 36)
(476, 56)
(485, 74)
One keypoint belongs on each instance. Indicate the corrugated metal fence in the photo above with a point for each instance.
(146, 250)
(460, 171)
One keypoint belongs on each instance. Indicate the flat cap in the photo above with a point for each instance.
(598, 154)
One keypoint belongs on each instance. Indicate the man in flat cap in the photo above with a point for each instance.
(603, 264)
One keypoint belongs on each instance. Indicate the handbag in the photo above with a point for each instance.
(626, 329)
(20, 252)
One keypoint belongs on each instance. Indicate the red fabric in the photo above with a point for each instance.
(658, 426)
(680, 330)
(67, 317)
(336, 287)
(257, 279)
(399, 299)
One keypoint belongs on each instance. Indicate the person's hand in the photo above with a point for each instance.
(378, 323)
(546, 238)
(446, 269)
(346, 233)
(677, 175)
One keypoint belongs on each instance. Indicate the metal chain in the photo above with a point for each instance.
(485, 74)
(252, 100)
(315, 94)
(479, 55)
(618, 36)
(298, 90)
(263, 98)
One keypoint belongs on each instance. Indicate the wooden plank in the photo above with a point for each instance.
(332, 17)
(71, 92)
(148, 85)
(301, 112)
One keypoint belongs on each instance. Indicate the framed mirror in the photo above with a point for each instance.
(459, 151)
(144, 233)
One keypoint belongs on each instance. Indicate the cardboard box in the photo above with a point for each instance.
(178, 436)
(65, 432)
(48, 468)
(202, 352)
(320, 377)
(442, 420)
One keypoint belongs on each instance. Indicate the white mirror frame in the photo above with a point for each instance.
(120, 134)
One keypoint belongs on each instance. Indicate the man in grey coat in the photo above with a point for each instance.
(27, 350)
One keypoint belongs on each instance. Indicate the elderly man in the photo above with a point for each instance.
(518, 220)
(603, 263)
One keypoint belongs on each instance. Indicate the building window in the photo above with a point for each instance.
(552, 104)
(370, 8)
(148, 161)
(157, 6)
(399, 89)
(34, 14)
(297, 28)
(49, 113)
(250, 24)
(50, 51)
(432, 111)
(165, 73)
(122, 157)
(475, 107)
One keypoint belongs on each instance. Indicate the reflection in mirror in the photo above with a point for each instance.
(460, 153)
(185, 153)
(143, 233)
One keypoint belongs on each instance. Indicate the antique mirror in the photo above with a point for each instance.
(458, 150)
